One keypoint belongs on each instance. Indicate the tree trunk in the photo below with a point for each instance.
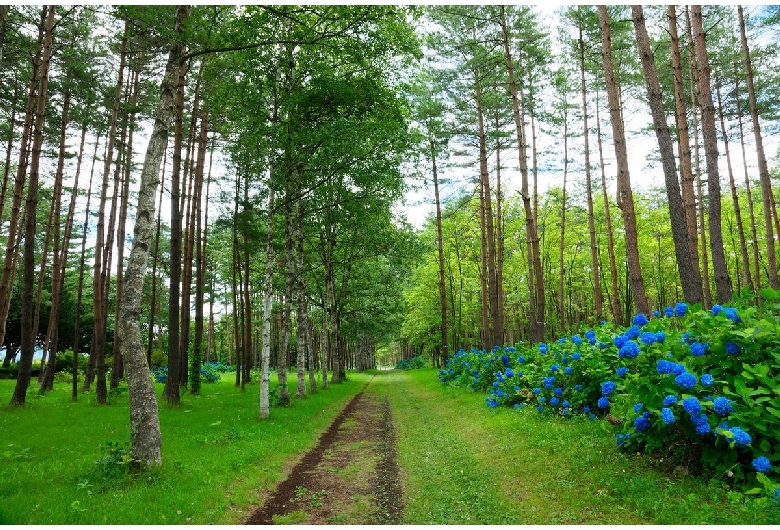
(197, 349)
(710, 138)
(625, 198)
(763, 170)
(57, 265)
(690, 278)
(536, 314)
(173, 382)
(11, 250)
(684, 145)
(735, 199)
(265, 355)
(144, 420)
(31, 203)
(594, 252)
(749, 193)
(615, 295)
(302, 302)
(564, 320)
(440, 251)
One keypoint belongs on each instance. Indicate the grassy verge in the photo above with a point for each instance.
(465, 463)
(219, 460)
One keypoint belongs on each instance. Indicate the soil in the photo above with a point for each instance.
(350, 477)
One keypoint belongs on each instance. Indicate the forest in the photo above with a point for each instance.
(192, 186)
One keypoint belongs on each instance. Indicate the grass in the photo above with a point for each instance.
(465, 463)
(62, 462)
(462, 462)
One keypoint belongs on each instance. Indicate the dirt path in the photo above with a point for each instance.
(350, 477)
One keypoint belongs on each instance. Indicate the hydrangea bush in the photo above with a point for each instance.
(699, 386)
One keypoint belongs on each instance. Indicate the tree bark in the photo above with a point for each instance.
(763, 170)
(709, 134)
(144, 420)
(172, 383)
(625, 198)
(440, 252)
(684, 145)
(31, 203)
(536, 314)
(265, 355)
(735, 199)
(690, 278)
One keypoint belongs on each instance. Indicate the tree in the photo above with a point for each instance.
(144, 420)
(709, 135)
(625, 199)
(690, 278)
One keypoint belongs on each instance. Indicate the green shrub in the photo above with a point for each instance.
(411, 363)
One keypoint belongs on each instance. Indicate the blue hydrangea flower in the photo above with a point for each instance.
(707, 380)
(548, 382)
(722, 406)
(554, 401)
(591, 336)
(667, 416)
(640, 320)
(537, 390)
(592, 416)
(567, 370)
(638, 407)
(656, 313)
(622, 371)
(504, 359)
(660, 337)
(578, 387)
(731, 314)
(762, 464)
(542, 400)
(668, 312)
(509, 372)
(741, 438)
(691, 406)
(500, 393)
(630, 349)
(702, 428)
(576, 356)
(648, 337)
(698, 349)
(621, 439)
(680, 309)
(495, 384)
(717, 308)
(688, 338)
(664, 367)
(557, 391)
(586, 409)
(603, 403)
(685, 380)
(562, 340)
(670, 400)
(540, 408)
(633, 332)
(732, 348)
(554, 368)
(565, 403)
(607, 387)
(515, 388)
(641, 424)
(619, 340)
(577, 340)
(543, 347)
(520, 359)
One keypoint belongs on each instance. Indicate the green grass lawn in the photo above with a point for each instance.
(218, 458)
(465, 463)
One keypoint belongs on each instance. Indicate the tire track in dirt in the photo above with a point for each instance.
(350, 477)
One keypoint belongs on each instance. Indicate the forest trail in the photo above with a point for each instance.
(350, 477)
